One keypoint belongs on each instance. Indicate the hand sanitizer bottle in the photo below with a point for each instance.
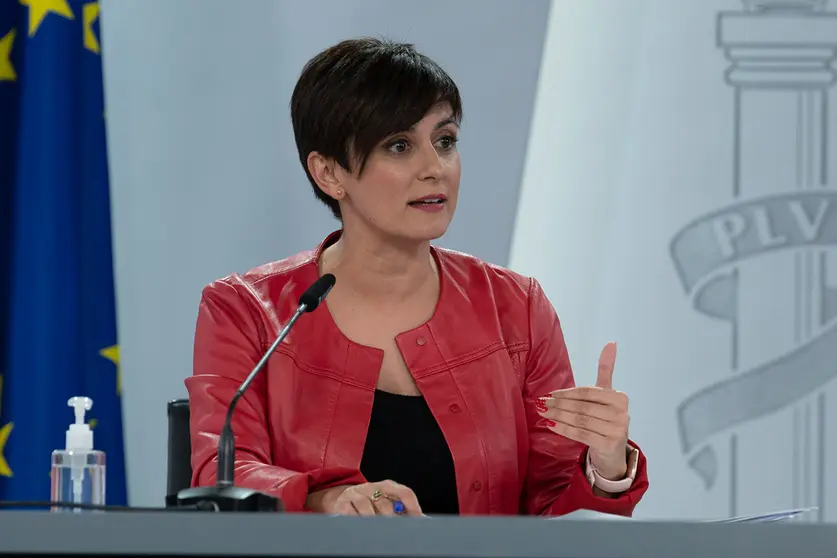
(78, 472)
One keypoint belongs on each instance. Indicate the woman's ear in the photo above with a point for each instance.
(325, 173)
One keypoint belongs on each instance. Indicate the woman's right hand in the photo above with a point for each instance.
(360, 499)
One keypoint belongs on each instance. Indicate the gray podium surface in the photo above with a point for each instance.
(250, 534)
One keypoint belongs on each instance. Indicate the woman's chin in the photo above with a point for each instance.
(429, 232)
(417, 235)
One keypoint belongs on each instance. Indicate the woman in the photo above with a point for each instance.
(429, 382)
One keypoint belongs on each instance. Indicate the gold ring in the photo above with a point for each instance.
(377, 495)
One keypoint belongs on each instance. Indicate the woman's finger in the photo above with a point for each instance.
(589, 408)
(361, 503)
(344, 507)
(603, 396)
(592, 440)
(383, 506)
(404, 494)
(586, 422)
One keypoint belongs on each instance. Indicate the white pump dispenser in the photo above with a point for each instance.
(79, 435)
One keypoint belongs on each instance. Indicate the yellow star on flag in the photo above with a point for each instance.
(89, 13)
(38, 10)
(5, 430)
(7, 71)
(112, 354)
(5, 470)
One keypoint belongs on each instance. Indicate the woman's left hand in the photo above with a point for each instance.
(596, 416)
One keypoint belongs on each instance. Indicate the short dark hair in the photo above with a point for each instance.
(358, 92)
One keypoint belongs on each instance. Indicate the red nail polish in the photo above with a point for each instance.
(542, 408)
(551, 423)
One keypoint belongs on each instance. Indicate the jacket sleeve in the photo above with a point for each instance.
(230, 338)
(556, 483)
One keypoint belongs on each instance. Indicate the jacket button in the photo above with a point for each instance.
(454, 408)
(477, 486)
(421, 341)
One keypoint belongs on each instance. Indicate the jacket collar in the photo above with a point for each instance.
(446, 338)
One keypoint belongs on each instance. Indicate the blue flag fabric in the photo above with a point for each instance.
(57, 305)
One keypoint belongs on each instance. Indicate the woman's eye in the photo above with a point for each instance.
(398, 146)
(448, 142)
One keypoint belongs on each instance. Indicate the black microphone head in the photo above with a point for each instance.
(316, 293)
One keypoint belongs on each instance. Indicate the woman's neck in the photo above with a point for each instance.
(385, 271)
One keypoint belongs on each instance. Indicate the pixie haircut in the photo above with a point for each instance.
(355, 94)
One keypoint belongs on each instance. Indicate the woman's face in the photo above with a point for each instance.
(408, 189)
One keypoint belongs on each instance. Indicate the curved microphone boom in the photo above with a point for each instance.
(225, 496)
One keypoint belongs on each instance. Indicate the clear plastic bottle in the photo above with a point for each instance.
(78, 471)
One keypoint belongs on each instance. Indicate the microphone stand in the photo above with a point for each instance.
(225, 496)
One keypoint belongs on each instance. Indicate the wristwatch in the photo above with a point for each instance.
(610, 486)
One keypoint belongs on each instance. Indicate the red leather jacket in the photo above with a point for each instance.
(493, 346)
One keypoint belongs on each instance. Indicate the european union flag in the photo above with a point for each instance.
(57, 305)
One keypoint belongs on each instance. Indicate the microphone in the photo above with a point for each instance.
(225, 496)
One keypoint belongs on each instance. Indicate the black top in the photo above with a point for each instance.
(405, 444)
